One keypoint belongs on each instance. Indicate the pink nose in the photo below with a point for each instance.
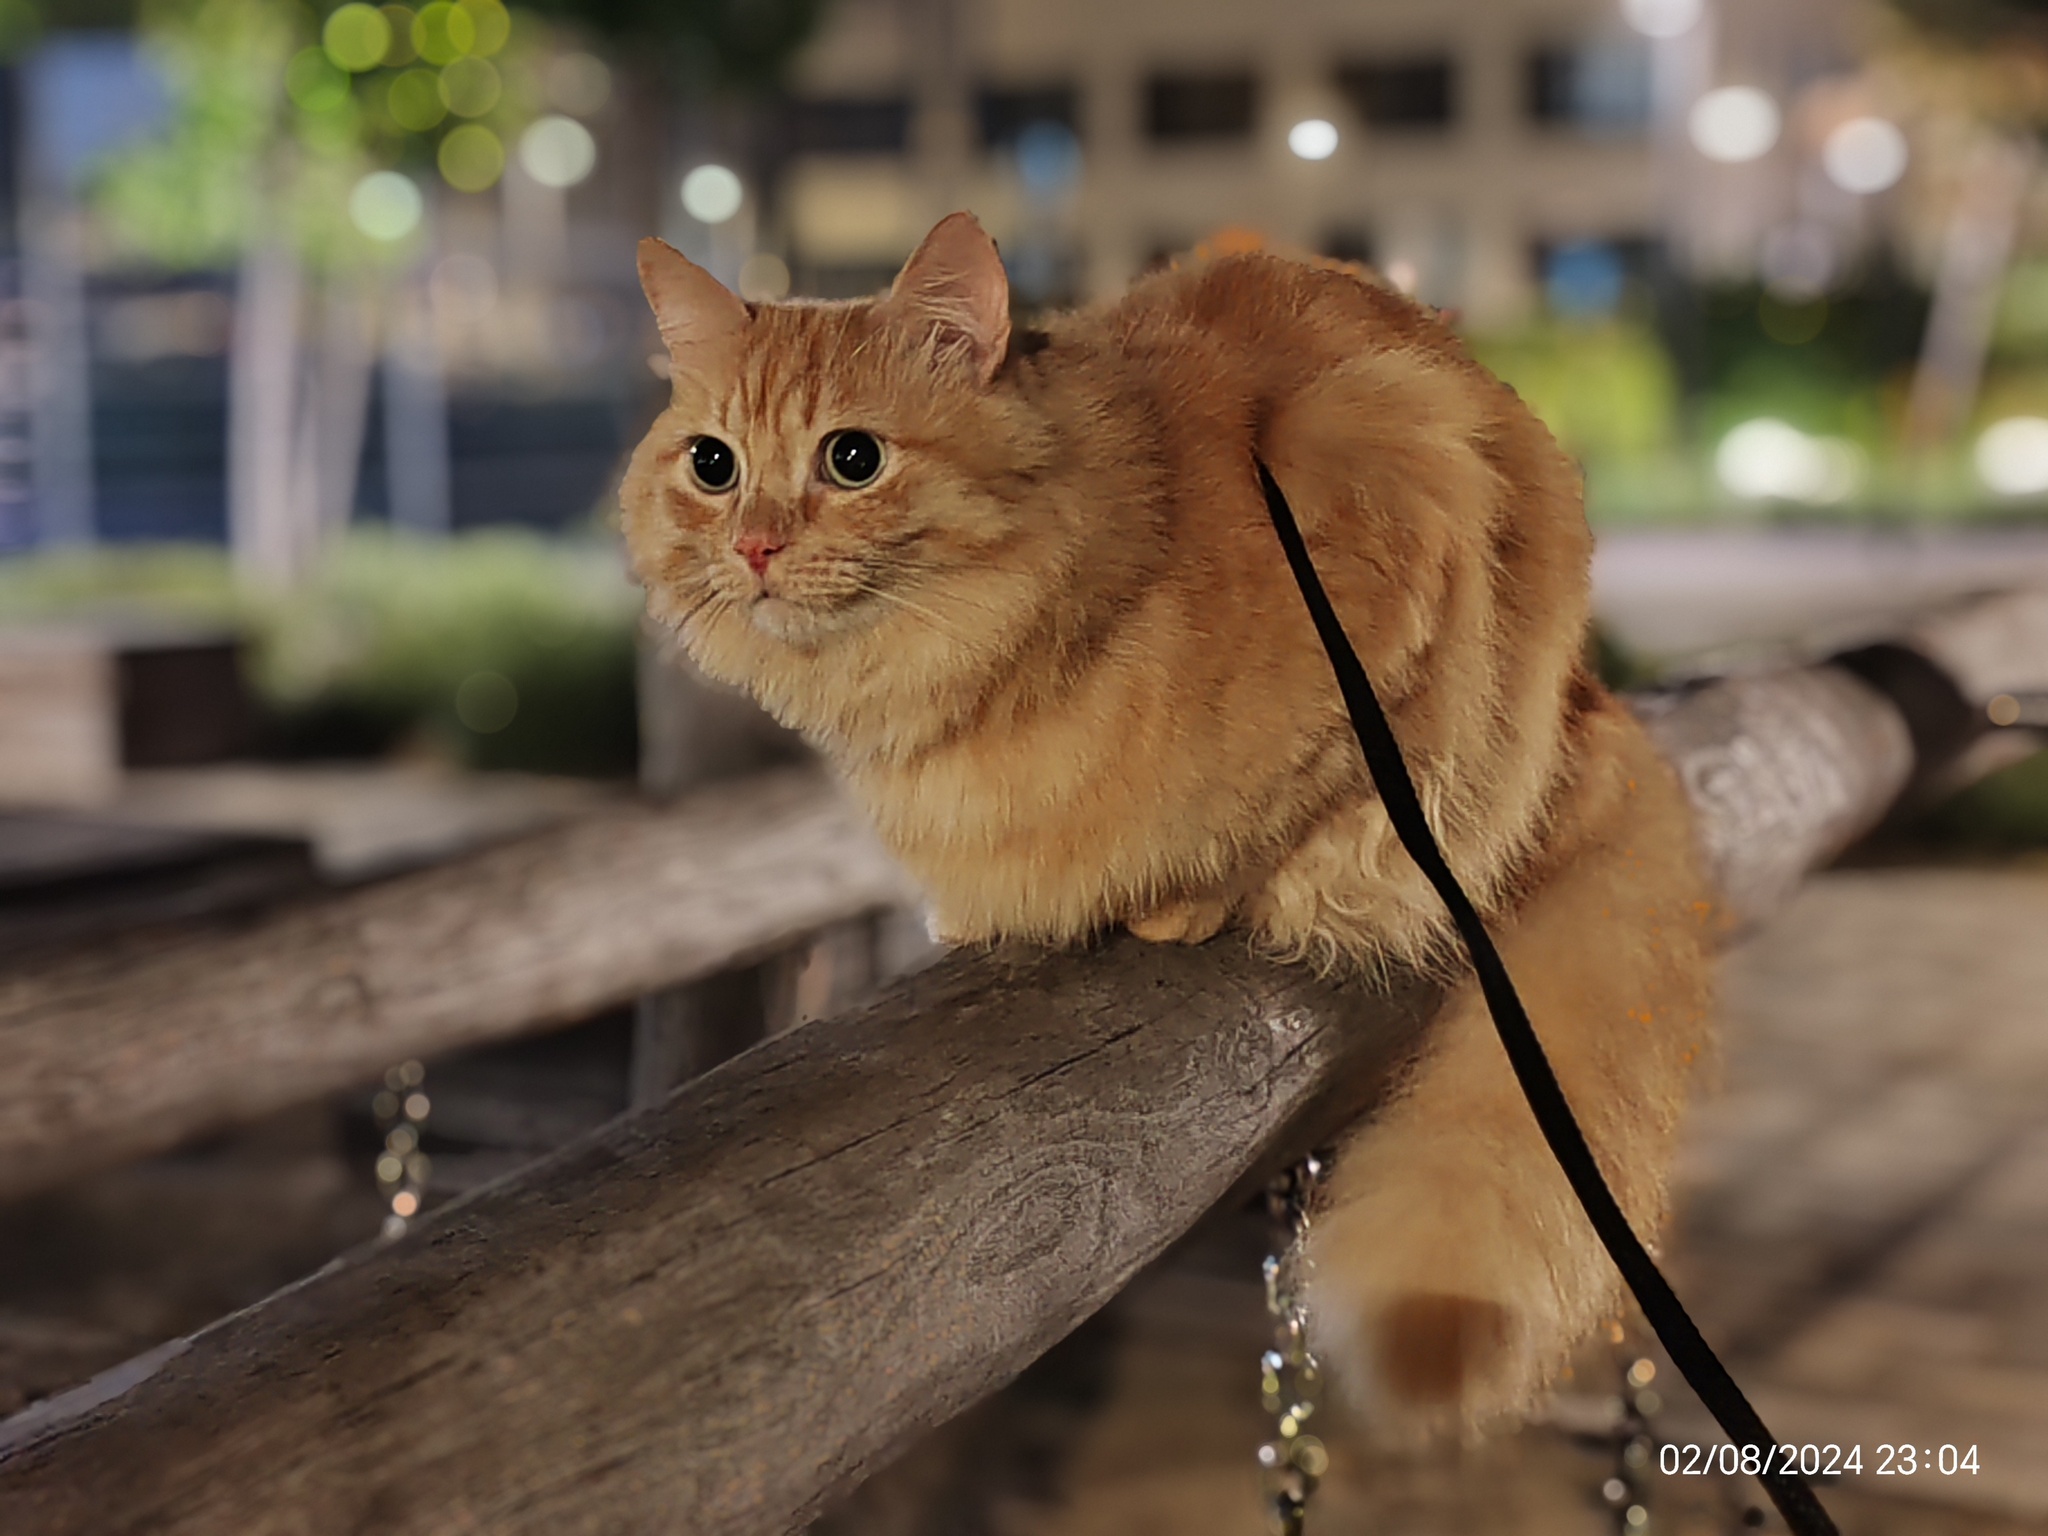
(757, 549)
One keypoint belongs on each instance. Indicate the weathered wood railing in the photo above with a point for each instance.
(115, 1051)
(713, 1315)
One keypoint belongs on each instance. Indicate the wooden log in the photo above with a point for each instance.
(714, 1314)
(113, 1052)
(718, 1312)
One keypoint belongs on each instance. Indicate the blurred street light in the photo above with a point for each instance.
(2012, 456)
(1768, 459)
(1662, 18)
(1734, 124)
(1313, 139)
(1864, 155)
(386, 205)
(712, 194)
(557, 151)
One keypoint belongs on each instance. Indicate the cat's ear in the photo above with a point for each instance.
(954, 289)
(691, 306)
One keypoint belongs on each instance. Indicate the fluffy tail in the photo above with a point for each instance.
(1453, 1270)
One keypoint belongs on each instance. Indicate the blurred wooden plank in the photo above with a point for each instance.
(60, 741)
(68, 877)
(117, 1051)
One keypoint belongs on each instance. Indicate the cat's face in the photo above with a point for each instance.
(826, 470)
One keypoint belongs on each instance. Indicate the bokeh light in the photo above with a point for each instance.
(1771, 460)
(1734, 124)
(471, 158)
(313, 82)
(1662, 18)
(469, 87)
(443, 33)
(712, 194)
(557, 151)
(492, 25)
(1313, 138)
(1864, 155)
(2012, 456)
(764, 277)
(357, 37)
(485, 702)
(386, 206)
(414, 100)
(399, 52)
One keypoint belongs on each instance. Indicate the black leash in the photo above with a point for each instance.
(1691, 1353)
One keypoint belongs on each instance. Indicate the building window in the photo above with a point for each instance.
(848, 125)
(1209, 108)
(1420, 92)
(1592, 279)
(1596, 88)
(1003, 113)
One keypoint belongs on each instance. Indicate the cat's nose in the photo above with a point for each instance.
(757, 549)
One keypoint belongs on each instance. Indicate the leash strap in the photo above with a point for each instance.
(1681, 1338)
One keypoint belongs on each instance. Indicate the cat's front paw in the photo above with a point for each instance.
(946, 932)
(1193, 921)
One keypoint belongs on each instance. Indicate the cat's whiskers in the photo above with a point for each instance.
(931, 616)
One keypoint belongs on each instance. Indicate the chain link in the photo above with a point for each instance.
(1626, 1491)
(1293, 1462)
(401, 1107)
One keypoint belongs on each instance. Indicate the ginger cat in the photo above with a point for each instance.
(1022, 589)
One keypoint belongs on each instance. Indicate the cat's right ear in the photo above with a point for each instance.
(691, 307)
(955, 290)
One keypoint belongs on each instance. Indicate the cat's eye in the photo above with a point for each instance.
(852, 459)
(713, 464)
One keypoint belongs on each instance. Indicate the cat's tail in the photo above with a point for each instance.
(1452, 1270)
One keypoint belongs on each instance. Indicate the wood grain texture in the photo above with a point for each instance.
(715, 1313)
(113, 1052)
(1784, 771)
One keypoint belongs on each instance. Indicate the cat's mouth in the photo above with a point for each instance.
(802, 624)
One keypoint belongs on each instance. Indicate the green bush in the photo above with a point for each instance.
(496, 649)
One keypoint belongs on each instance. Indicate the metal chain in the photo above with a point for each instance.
(401, 1108)
(1636, 1442)
(1626, 1491)
(1290, 1381)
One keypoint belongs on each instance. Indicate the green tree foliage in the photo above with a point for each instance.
(203, 190)
(277, 114)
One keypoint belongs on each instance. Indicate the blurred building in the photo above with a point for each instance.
(1480, 151)
(1469, 139)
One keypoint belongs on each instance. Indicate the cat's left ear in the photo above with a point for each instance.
(954, 288)
(690, 305)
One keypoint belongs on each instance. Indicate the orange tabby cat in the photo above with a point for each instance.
(1022, 588)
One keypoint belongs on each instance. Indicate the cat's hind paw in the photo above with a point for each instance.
(1193, 921)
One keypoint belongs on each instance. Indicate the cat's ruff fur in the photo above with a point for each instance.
(1057, 651)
